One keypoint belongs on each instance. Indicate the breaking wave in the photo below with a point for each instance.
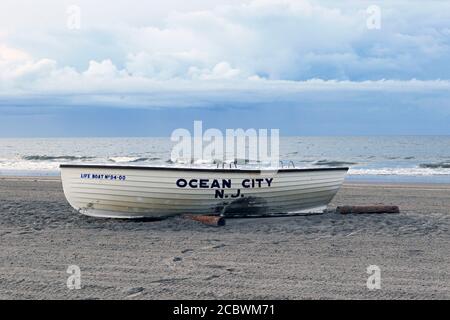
(51, 158)
(401, 171)
(333, 163)
(437, 165)
(132, 159)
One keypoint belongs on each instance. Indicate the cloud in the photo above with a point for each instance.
(277, 39)
(104, 69)
(103, 84)
(222, 70)
(12, 54)
(252, 52)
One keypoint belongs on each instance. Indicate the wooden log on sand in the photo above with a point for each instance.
(367, 209)
(215, 221)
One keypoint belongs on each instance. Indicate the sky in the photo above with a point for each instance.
(129, 68)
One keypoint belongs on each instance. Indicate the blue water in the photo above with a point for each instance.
(375, 158)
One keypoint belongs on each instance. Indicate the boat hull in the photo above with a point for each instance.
(154, 192)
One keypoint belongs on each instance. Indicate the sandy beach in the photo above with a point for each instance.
(305, 257)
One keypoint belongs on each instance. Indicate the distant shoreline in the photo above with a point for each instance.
(404, 159)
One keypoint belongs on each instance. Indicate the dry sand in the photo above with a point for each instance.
(307, 257)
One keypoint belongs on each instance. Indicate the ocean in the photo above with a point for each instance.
(424, 159)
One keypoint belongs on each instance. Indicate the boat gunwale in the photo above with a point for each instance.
(221, 170)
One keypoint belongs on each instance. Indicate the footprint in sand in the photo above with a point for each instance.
(217, 246)
(172, 262)
(133, 292)
(212, 277)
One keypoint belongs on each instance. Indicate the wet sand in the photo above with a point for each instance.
(306, 257)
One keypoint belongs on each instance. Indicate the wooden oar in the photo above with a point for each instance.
(367, 209)
(215, 221)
